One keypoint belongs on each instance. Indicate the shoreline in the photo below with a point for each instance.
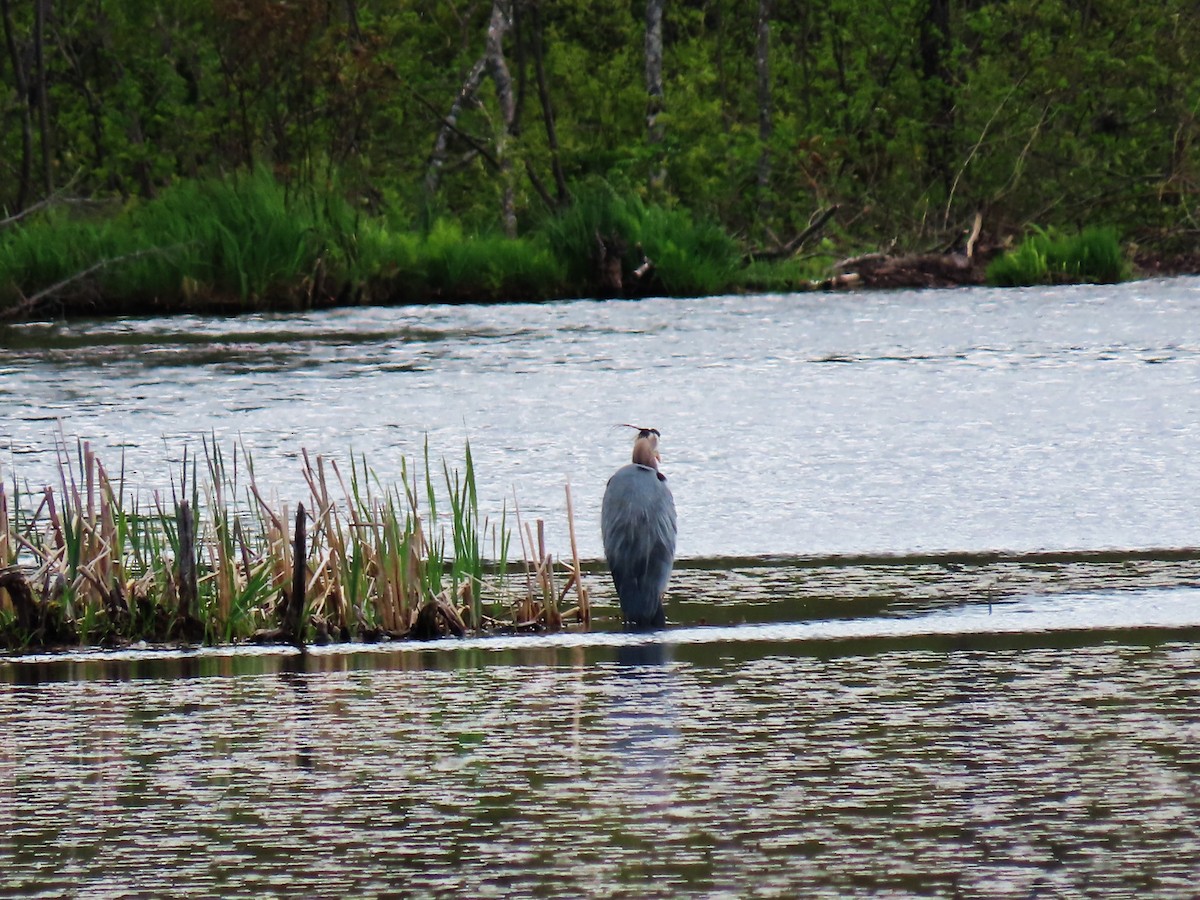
(876, 273)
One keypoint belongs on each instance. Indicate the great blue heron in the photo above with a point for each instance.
(637, 520)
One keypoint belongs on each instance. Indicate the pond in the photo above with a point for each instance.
(813, 424)
(935, 628)
(1038, 747)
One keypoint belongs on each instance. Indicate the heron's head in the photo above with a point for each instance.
(645, 447)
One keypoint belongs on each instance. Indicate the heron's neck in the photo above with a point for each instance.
(644, 453)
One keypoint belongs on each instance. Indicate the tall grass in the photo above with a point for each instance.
(241, 238)
(1093, 255)
(689, 257)
(248, 241)
(88, 562)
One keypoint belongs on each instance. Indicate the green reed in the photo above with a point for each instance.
(88, 562)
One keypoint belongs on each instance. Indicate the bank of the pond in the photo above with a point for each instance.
(251, 243)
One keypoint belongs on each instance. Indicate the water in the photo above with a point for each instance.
(898, 422)
(936, 630)
(826, 760)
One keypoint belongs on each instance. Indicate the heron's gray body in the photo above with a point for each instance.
(637, 520)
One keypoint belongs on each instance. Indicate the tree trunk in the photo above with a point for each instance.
(353, 30)
(654, 89)
(21, 79)
(762, 66)
(437, 158)
(492, 63)
(935, 51)
(43, 99)
(560, 181)
(498, 26)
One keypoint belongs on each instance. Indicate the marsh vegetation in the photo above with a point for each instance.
(220, 560)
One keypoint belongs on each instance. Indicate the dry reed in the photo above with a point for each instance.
(86, 562)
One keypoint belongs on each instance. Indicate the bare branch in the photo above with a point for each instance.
(29, 304)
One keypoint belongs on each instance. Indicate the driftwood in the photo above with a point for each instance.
(31, 304)
(437, 619)
(914, 270)
(951, 268)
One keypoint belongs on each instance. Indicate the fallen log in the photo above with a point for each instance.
(915, 270)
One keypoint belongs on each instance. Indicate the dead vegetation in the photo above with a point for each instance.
(89, 562)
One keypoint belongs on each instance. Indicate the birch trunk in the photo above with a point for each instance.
(498, 27)
(492, 64)
(437, 158)
(654, 87)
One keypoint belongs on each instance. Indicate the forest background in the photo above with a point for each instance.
(741, 131)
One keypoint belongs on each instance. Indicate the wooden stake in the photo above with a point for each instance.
(188, 592)
(294, 609)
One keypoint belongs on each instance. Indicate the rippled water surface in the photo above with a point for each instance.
(812, 424)
(1004, 729)
(935, 632)
(777, 769)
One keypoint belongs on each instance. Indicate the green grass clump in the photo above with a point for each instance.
(249, 241)
(446, 264)
(1092, 256)
(241, 238)
(689, 257)
(244, 236)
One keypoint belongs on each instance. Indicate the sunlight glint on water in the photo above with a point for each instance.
(811, 424)
(955, 725)
(994, 773)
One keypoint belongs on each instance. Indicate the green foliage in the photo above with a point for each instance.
(1049, 112)
(248, 240)
(242, 236)
(689, 257)
(1052, 112)
(486, 266)
(1046, 257)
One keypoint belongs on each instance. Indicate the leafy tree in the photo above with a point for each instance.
(911, 114)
